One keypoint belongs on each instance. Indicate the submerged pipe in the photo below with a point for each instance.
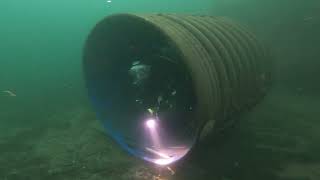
(160, 83)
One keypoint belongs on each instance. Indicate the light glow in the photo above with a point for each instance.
(158, 153)
(164, 162)
(162, 153)
(151, 123)
(167, 155)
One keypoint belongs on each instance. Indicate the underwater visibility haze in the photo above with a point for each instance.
(160, 89)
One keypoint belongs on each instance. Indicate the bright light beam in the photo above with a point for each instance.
(158, 153)
(151, 123)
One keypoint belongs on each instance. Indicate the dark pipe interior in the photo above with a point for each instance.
(134, 72)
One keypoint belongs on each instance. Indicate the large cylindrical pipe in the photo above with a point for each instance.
(160, 82)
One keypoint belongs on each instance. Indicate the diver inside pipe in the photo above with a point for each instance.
(143, 93)
(159, 83)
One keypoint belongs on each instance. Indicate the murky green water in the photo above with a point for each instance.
(48, 129)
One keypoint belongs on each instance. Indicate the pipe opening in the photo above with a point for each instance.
(141, 89)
